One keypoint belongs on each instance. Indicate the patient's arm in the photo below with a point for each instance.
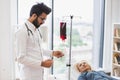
(81, 78)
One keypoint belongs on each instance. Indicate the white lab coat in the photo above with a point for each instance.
(30, 53)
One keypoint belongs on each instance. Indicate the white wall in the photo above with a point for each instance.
(6, 57)
(107, 36)
(112, 15)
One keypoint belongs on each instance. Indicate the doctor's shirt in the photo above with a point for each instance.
(30, 52)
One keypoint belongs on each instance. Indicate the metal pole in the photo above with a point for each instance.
(69, 64)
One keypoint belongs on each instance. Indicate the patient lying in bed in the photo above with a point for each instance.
(88, 74)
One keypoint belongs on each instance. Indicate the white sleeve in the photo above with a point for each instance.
(47, 52)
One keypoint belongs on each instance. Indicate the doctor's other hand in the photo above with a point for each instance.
(47, 63)
(58, 54)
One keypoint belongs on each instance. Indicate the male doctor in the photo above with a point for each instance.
(29, 48)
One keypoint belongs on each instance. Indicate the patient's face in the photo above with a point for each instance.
(83, 66)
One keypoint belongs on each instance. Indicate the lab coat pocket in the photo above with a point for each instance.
(51, 77)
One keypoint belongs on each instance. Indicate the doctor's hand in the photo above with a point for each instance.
(57, 54)
(47, 63)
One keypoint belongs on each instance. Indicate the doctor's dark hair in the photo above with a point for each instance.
(39, 8)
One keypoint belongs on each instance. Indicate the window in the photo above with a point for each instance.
(82, 35)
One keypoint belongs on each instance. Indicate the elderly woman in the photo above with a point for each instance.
(88, 74)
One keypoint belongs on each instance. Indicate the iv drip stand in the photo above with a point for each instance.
(69, 63)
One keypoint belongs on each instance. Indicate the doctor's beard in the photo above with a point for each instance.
(35, 23)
